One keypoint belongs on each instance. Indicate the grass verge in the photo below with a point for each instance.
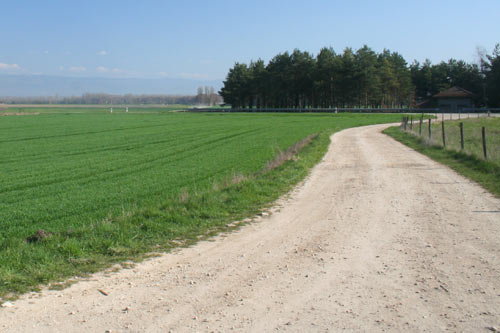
(485, 173)
(471, 133)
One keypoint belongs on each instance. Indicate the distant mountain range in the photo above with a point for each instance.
(45, 85)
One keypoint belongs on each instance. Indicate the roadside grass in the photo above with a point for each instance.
(468, 163)
(472, 136)
(83, 191)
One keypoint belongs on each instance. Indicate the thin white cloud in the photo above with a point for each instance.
(103, 53)
(9, 67)
(45, 52)
(162, 73)
(103, 69)
(77, 69)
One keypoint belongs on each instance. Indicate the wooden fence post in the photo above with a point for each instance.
(444, 135)
(420, 127)
(430, 131)
(411, 123)
(462, 135)
(483, 134)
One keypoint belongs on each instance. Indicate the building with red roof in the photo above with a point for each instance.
(454, 99)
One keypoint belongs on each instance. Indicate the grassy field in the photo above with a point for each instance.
(65, 109)
(110, 187)
(469, 162)
(472, 136)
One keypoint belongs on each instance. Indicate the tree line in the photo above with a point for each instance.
(205, 96)
(104, 99)
(361, 78)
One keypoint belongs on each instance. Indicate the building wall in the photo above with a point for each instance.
(454, 104)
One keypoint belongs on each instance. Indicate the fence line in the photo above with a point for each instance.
(316, 110)
(474, 141)
(460, 112)
(483, 135)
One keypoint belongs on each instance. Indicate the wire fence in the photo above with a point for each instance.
(313, 110)
(478, 136)
(464, 112)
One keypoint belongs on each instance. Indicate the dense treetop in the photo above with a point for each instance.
(361, 78)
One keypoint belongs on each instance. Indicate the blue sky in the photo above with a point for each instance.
(203, 39)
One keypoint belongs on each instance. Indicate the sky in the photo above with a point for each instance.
(203, 39)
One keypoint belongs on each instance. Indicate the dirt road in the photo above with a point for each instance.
(377, 238)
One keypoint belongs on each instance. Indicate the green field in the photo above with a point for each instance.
(110, 187)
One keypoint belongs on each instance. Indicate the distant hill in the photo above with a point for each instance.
(45, 85)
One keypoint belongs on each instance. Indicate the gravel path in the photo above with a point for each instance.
(377, 238)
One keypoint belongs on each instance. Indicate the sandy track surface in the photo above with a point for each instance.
(377, 238)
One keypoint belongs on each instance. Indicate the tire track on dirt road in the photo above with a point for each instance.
(378, 237)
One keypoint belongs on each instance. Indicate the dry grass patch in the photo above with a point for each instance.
(184, 196)
(288, 154)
